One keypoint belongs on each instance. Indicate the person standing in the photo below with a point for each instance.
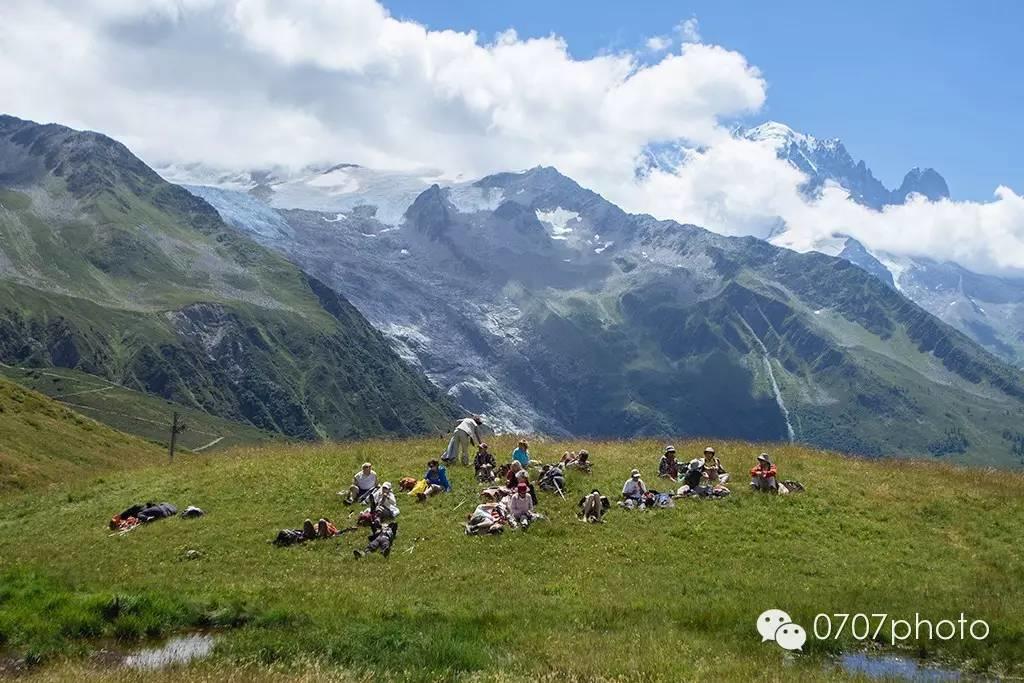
(467, 433)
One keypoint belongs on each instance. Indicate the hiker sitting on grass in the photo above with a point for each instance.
(633, 490)
(383, 503)
(437, 480)
(518, 475)
(763, 475)
(488, 518)
(714, 468)
(593, 506)
(695, 480)
(382, 537)
(579, 461)
(668, 468)
(364, 482)
(522, 453)
(552, 479)
(520, 507)
(485, 465)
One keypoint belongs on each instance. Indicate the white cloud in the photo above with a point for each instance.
(250, 83)
(689, 30)
(658, 43)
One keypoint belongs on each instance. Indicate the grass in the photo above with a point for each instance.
(42, 442)
(664, 595)
(135, 412)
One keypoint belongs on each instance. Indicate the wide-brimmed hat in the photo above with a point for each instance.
(386, 485)
(696, 463)
(635, 474)
(366, 464)
(670, 449)
(764, 458)
(710, 450)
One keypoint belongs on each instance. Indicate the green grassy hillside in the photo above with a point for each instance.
(135, 412)
(108, 269)
(43, 442)
(662, 595)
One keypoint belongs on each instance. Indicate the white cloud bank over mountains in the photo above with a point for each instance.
(255, 83)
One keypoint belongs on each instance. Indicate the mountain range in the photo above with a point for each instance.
(987, 308)
(108, 269)
(541, 304)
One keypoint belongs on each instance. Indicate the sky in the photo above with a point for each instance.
(471, 88)
(903, 84)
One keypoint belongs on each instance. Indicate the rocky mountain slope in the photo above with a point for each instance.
(987, 308)
(107, 268)
(536, 301)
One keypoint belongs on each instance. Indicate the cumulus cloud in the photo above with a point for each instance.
(255, 83)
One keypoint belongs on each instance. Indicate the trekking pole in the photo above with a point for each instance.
(558, 488)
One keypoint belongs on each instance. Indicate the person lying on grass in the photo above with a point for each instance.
(579, 461)
(323, 529)
(552, 479)
(714, 468)
(363, 483)
(520, 507)
(668, 468)
(381, 539)
(488, 518)
(634, 489)
(763, 475)
(484, 464)
(593, 506)
(437, 480)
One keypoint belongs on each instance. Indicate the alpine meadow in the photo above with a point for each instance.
(370, 340)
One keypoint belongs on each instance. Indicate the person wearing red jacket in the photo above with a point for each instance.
(763, 475)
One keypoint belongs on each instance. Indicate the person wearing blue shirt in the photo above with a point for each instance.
(437, 480)
(522, 454)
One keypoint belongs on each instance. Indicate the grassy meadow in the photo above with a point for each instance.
(660, 595)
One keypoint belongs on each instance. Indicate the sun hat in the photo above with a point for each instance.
(366, 464)
(764, 458)
(386, 485)
(670, 449)
(696, 463)
(635, 474)
(710, 450)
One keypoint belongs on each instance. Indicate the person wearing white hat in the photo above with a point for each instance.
(468, 432)
(693, 479)
(634, 488)
(714, 468)
(364, 481)
(763, 475)
(384, 501)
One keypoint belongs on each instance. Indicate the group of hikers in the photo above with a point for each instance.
(509, 498)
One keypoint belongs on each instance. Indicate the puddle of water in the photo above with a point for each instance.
(180, 650)
(894, 667)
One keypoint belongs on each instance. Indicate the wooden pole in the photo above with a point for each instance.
(174, 436)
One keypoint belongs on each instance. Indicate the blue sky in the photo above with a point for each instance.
(905, 83)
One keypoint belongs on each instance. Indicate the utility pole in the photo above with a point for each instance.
(177, 427)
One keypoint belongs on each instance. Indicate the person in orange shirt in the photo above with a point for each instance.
(763, 475)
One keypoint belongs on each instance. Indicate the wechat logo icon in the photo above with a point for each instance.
(774, 624)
